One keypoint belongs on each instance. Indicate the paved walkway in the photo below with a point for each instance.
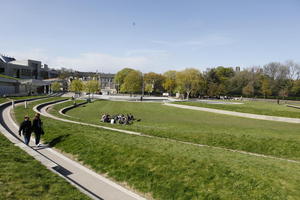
(238, 114)
(89, 182)
(44, 112)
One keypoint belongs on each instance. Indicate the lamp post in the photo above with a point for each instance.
(143, 86)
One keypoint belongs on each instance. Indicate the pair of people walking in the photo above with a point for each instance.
(26, 128)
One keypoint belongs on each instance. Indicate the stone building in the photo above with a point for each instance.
(25, 69)
(107, 83)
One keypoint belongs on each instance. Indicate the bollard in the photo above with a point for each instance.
(25, 104)
(13, 104)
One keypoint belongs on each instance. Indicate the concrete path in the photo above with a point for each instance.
(238, 114)
(43, 111)
(89, 182)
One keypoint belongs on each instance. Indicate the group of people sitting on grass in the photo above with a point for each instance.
(118, 119)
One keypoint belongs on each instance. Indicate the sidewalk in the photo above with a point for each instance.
(238, 114)
(89, 182)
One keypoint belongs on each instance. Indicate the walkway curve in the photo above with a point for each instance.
(42, 109)
(238, 114)
(87, 181)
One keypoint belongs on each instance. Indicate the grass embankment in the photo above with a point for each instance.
(22, 177)
(2, 100)
(258, 136)
(269, 108)
(169, 170)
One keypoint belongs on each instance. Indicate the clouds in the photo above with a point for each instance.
(100, 61)
(140, 59)
(206, 41)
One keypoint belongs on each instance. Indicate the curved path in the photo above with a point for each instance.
(238, 114)
(42, 109)
(87, 181)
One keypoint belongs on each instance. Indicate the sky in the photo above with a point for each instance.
(150, 35)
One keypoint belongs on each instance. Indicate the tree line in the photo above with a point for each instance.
(274, 79)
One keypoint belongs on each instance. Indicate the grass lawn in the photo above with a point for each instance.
(259, 136)
(2, 100)
(22, 177)
(254, 107)
(169, 170)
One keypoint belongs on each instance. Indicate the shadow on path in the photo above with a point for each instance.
(57, 140)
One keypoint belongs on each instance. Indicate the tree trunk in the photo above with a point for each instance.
(187, 95)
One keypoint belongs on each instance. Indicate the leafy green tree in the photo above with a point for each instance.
(149, 88)
(76, 86)
(91, 86)
(170, 81)
(55, 86)
(190, 81)
(265, 87)
(132, 82)
(120, 77)
(284, 92)
(248, 90)
(156, 80)
(296, 88)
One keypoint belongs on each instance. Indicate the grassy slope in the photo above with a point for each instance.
(168, 170)
(259, 136)
(254, 107)
(2, 100)
(22, 177)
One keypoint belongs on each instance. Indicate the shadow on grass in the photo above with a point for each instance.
(57, 140)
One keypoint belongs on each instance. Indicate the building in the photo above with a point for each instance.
(107, 83)
(25, 69)
(8, 85)
(26, 77)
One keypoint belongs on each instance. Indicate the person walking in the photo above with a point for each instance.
(37, 127)
(25, 129)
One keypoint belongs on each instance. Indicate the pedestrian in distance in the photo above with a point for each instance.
(37, 127)
(26, 129)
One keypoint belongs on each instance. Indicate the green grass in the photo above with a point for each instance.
(170, 170)
(2, 100)
(258, 136)
(254, 107)
(22, 177)
(9, 77)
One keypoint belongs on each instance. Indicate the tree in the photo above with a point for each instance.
(190, 81)
(156, 80)
(248, 90)
(265, 87)
(55, 86)
(149, 88)
(170, 81)
(296, 88)
(76, 86)
(283, 93)
(91, 86)
(120, 77)
(132, 82)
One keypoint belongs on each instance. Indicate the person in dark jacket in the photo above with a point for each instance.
(37, 127)
(25, 129)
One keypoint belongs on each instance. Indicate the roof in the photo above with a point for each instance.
(20, 62)
(6, 59)
(35, 82)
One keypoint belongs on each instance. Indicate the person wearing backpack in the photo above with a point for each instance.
(25, 129)
(37, 127)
